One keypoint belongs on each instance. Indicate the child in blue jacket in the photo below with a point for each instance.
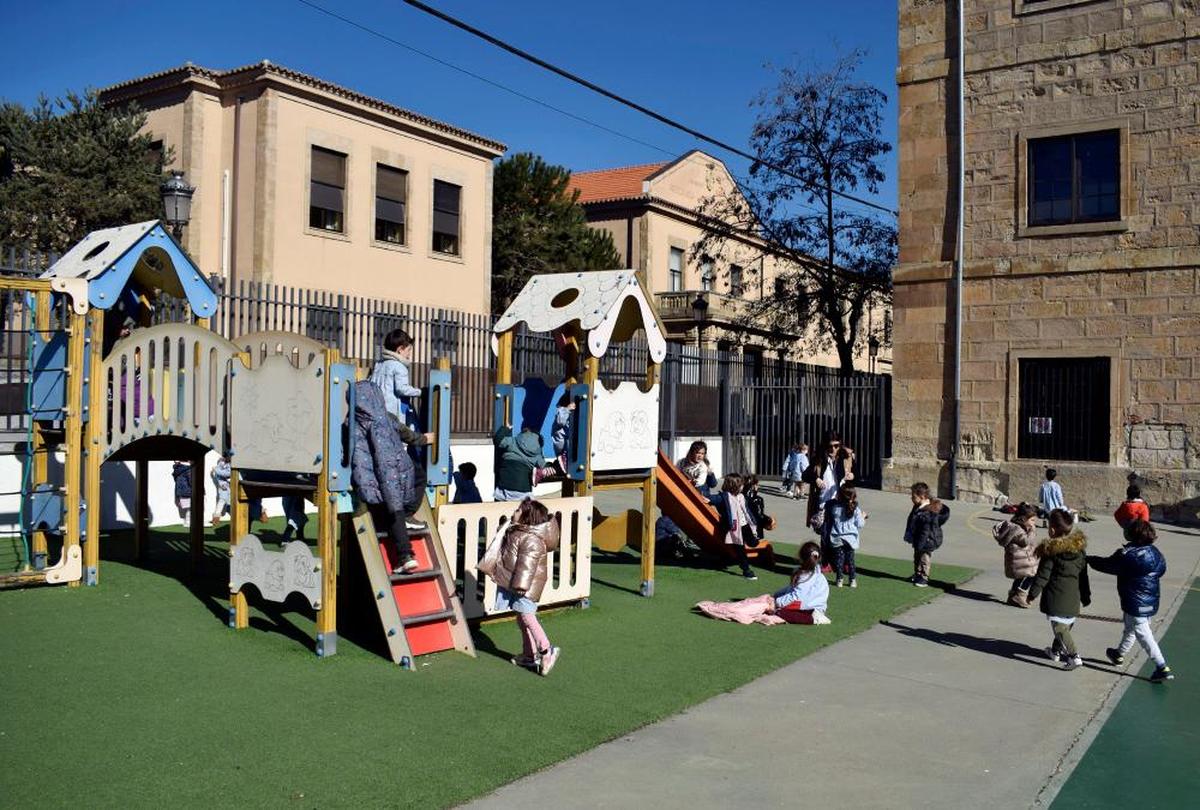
(1138, 566)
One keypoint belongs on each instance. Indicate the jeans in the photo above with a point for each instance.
(1138, 627)
(501, 494)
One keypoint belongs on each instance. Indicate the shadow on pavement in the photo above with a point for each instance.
(1000, 647)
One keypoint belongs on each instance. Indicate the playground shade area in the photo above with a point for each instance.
(144, 697)
(1152, 733)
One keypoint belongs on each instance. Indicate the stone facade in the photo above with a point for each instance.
(1128, 289)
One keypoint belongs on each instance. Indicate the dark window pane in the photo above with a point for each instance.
(1075, 178)
(1050, 181)
(391, 184)
(1097, 161)
(446, 217)
(735, 279)
(328, 167)
(445, 196)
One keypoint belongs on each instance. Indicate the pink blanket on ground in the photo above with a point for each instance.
(744, 611)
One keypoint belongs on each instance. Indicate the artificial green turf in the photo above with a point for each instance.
(135, 693)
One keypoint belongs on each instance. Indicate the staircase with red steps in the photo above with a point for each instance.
(420, 611)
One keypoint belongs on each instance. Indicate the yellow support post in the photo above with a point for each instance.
(40, 447)
(73, 430)
(649, 504)
(239, 527)
(93, 453)
(504, 358)
(327, 535)
(591, 376)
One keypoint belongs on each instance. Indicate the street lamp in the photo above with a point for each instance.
(699, 314)
(177, 202)
(873, 350)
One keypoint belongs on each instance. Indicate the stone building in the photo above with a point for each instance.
(305, 183)
(1081, 319)
(653, 213)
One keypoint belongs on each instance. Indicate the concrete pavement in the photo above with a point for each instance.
(949, 703)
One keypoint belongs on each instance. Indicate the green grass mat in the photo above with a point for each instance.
(135, 693)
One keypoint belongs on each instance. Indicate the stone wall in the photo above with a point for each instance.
(1129, 290)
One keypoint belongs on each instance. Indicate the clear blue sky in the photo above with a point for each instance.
(696, 60)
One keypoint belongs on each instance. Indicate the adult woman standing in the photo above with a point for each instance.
(831, 466)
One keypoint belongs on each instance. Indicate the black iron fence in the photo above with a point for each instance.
(757, 409)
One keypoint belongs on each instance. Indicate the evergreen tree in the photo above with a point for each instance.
(71, 166)
(538, 227)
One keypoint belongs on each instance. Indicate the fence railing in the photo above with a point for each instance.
(758, 408)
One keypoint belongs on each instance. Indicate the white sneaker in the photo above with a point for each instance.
(548, 660)
(854, 583)
(819, 617)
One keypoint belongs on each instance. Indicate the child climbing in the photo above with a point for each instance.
(1138, 566)
(220, 475)
(1020, 565)
(391, 373)
(845, 522)
(383, 472)
(1062, 582)
(182, 473)
(564, 415)
(520, 569)
(735, 521)
(803, 601)
(923, 531)
(517, 460)
(465, 489)
(1133, 508)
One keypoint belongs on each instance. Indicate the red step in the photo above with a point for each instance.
(419, 597)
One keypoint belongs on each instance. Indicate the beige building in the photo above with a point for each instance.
(302, 182)
(652, 213)
(1081, 319)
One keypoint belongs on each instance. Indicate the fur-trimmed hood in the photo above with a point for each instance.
(1073, 543)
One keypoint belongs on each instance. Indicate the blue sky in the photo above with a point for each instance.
(698, 61)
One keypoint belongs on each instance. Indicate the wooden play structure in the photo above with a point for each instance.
(105, 385)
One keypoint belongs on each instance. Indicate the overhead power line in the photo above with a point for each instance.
(671, 122)
(484, 79)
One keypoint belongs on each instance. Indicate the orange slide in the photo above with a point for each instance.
(683, 503)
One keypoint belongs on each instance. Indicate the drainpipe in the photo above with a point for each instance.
(233, 208)
(956, 435)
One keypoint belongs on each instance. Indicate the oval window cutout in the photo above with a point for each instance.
(565, 297)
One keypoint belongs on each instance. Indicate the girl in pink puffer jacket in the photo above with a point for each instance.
(1016, 537)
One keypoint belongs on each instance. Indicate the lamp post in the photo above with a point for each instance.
(177, 202)
(699, 314)
(873, 350)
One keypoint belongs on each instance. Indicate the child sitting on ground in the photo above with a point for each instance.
(1133, 508)
(465, 489)
(1020, 564)
(923, 531)
(845, 522)
(520, 569)
(1139, 566)
(384, 475)
(1062, 582)
(803, 601)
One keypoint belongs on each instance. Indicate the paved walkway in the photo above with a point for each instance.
(949, 704)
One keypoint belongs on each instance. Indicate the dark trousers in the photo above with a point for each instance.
(843, 561)
(739, 553)
(1022, 584)
(393, 523)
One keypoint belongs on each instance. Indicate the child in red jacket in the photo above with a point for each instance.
(1134, 508)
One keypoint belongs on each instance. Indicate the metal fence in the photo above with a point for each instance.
(758, 409)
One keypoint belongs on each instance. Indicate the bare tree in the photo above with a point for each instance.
(823, 128)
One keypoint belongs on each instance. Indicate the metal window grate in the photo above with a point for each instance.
(1064, 408)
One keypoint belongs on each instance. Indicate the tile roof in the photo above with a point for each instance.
(613, 184)
(132, 88)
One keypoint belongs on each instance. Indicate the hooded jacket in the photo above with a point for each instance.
(522, 567)
(924, 529)
(1138, 570)
(381, 467)
(1018, 545)
(390, 374)
(1129, 511)
(517, 457)
(1062, 578)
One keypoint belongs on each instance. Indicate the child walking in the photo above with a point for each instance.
(1062, 582)
(1138, 566)
(1050, 494)
(794, 465)
(221, 475)
(845, 522)
(734, 518)
(1132, 508)
(923, 531)
(1020, 564)
(182, 473)
(520, 571)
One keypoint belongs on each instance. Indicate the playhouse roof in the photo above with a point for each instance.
(110, 258)
(607, 305)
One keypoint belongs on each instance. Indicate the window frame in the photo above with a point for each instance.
(675, 274)
(404, 229)
(1126, 200)
(738, 289)
(343, 230)
(1074, 169)
(457, 253)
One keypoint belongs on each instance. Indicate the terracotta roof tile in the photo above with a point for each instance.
(613, 184)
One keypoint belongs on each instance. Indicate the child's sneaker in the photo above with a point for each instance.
(1114, 656)
(548, 660)
(749, 575)
(853, 583)
(837, 583)
(1071, 662)
(1052, 652)
(921, 582)
(408, 564)
(525, 661)
(415, 525)
(1161, 674)
(819, 617)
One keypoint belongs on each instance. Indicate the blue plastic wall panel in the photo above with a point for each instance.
(547, 420)
(46, 509)
(105, 289)
(341, 433)
(512, 396)
(49, 380)
(437, 466)
(577, 436)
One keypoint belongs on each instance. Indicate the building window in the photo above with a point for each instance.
(327, 191)
(780, 287)
(391, 195)
(675, 270)
(1064, 408)
(447, 199)
(707, 274)
(1075, 178)
(735, 280)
